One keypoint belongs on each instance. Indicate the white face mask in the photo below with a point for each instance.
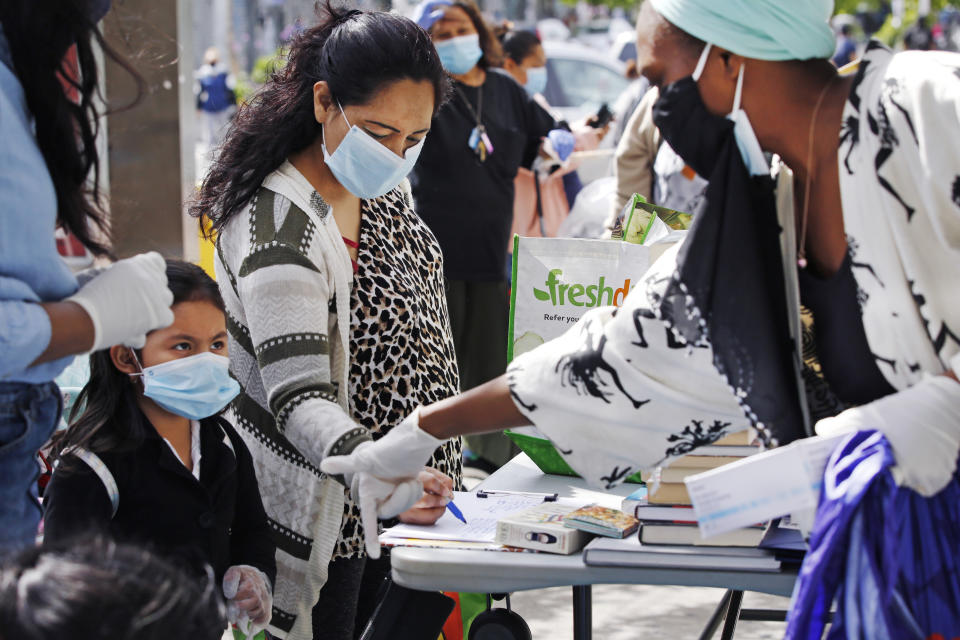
(366, 168)
(747, 142)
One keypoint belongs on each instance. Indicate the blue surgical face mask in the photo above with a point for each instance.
(364, 166)
(747, 142)
(195, 387)
(536, 80)
(459, 55)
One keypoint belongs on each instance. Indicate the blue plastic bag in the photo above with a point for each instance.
(884, 555)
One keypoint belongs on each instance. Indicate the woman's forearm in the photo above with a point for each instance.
(71, 331)
(488, 407)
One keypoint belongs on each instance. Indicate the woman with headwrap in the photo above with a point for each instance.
(863, 226)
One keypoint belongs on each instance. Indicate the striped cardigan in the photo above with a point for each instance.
(286, 279)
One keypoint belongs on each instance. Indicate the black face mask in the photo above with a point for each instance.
(728, 290)
(693, 132)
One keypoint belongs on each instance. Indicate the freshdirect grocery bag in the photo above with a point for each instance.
(556, 281)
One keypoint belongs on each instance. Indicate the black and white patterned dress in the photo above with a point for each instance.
(401, 349)
(618, 392)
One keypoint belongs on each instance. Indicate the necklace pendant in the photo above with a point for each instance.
(486, 140)
(802, 262)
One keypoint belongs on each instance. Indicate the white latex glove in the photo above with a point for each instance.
(249, 598)
(383, 474)
(921, 423)
(381, 499)
(127, 300)
(402, 453)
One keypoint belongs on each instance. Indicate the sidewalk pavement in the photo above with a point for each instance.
(639, 612)
(636, 612)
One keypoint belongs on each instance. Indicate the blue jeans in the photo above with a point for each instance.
(28, 415)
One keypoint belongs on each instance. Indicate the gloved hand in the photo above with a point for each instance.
(921, 423)
(429, 11)
(383, 474)
(380, 499)
(249, 598)
(562, 142)
(128, 300)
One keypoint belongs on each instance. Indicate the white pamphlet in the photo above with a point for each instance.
(762, 487)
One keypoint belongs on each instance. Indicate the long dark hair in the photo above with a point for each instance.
(105, 416)
(357, 53)
(40, 35)
(518, 44)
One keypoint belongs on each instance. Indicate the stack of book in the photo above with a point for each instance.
(664, 508)
(667, 482)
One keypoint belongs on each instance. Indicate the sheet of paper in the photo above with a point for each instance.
(481, 515)
(762, 487)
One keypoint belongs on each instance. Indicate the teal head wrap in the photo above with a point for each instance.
(760, 29)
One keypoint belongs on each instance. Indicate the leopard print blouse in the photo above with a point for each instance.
(401, 349)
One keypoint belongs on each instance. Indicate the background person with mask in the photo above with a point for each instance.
(329, 354)
(703, 345)
(540, 209)
(49, 178)
(463, 189)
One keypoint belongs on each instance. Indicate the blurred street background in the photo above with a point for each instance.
(159, 151)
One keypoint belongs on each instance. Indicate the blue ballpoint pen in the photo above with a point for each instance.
(452, 508)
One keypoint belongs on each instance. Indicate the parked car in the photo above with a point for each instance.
(552, 29)
(624, 46)
(579, 81)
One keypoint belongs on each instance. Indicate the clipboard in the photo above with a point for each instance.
(547, 497)
(482, 510)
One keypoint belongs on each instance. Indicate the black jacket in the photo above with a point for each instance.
(218, 521)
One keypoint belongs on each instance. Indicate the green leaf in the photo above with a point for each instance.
(541, 295)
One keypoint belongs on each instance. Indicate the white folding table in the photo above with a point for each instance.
(493, 572)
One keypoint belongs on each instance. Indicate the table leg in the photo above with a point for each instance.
(764, 615)
(582, 613)
(718, 615)
(733, 614)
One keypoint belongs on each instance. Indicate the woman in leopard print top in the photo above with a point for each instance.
(329, 356)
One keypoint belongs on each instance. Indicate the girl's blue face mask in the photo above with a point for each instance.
(459, 55)
(195, 387)
(366, 168)
(536, 80)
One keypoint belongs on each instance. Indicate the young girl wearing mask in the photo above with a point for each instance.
(335, 300)
(148, 460)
